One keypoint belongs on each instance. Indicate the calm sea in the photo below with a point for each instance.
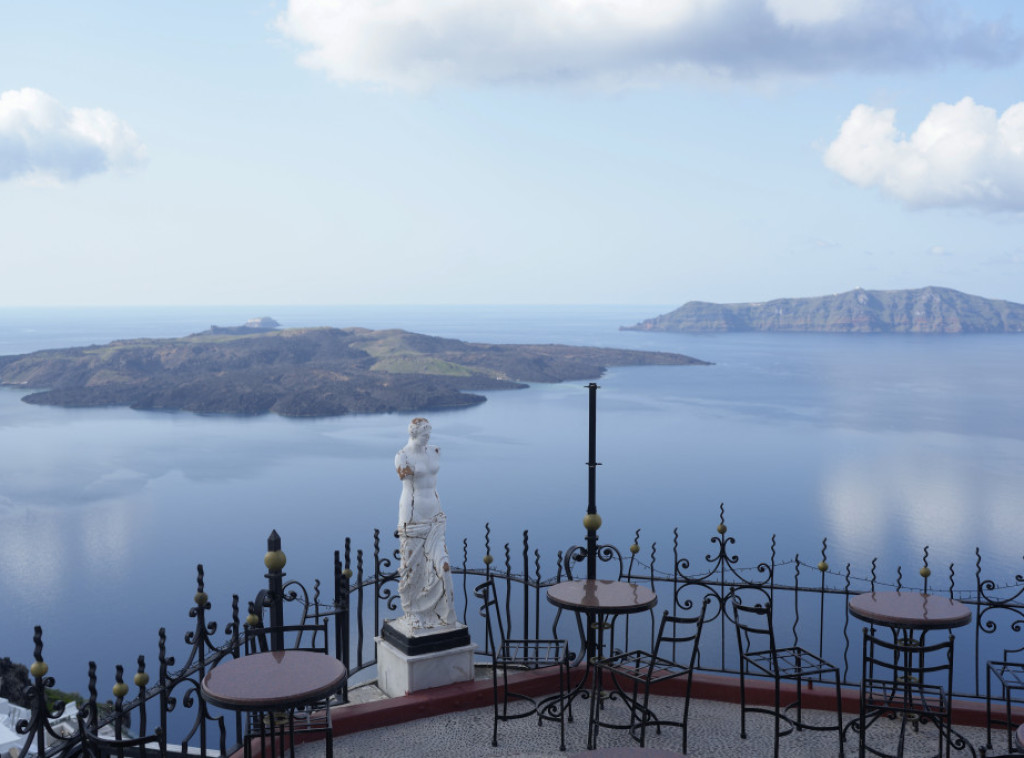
(882, 444)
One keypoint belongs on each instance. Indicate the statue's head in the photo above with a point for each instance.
(419, 428)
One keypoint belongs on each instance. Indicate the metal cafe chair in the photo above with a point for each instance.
(92, 745)
(908, 679)
(676, 654)
(521, 655)
(1013, 753)
(312, 718)
(1010, 676)
(761, 656)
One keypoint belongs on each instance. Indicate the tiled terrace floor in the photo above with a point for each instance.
(714, 733)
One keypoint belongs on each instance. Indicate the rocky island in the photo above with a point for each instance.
(929, 310)
(302, 372)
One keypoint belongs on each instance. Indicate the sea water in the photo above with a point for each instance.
(883, 444)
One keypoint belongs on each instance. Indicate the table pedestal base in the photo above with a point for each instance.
(402, 668)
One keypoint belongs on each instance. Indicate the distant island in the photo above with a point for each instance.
(257, 369)
(929, 310)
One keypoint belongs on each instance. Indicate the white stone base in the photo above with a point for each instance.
(399, 674)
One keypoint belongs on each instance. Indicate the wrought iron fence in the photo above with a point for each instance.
(810, 603)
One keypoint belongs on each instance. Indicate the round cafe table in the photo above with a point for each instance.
(272, 682)
(602, 596)
(598, 599)
(909, 610)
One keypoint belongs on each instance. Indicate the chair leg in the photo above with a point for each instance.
(861, 717)
(645, 714)
(743, 703)
(1009, 724)
(799, 704)
(778, 699)
(945, 724)
(595, 711)
(291, 733)
(686, 708)
(839, 716)
(563, 690)
(330, 732)
(633, 714)
(568, 688)
(988, 707)
(494, 681)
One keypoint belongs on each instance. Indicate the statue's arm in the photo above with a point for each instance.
(403, 466)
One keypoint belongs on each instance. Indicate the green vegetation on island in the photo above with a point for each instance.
(302, 372)
(929, 310)
(15, 680)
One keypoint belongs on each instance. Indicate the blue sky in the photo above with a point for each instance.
(507, 151)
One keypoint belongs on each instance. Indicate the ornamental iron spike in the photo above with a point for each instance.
(925, 572)
(93, 694)
(39, 668)
(120, 689)
(796, 598)
(846, 623)
(141, 678)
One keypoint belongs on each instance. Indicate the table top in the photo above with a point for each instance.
(602, 595)
(909, 610)
(272, 680)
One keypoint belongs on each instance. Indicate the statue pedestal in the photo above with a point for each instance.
(409, 659)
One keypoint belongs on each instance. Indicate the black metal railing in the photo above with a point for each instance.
(809, 601)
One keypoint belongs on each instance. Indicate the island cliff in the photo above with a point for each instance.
(930, 310)
(302, 372)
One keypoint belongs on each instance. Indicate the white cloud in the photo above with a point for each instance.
(960, 155)
(419, 43)
(44, 141)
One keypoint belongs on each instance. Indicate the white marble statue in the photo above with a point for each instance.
(424, 576)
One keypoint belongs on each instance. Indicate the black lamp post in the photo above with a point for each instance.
(592, 521)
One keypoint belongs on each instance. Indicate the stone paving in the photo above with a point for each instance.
(714, 733)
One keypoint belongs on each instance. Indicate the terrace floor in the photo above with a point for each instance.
(714, 733)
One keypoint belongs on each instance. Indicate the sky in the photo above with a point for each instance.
(507, 151)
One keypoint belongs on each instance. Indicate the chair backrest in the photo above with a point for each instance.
(92, 745)
(681, 631)
(576, 557)
(891, 659)
(750, 609)
(309, 636)
(490, 609)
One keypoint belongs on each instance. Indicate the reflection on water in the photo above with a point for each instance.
(886, 496)
(881, 444)
(34, 552)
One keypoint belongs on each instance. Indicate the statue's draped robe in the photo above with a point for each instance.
(425, 578)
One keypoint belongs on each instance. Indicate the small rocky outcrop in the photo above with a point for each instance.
(14, 678)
